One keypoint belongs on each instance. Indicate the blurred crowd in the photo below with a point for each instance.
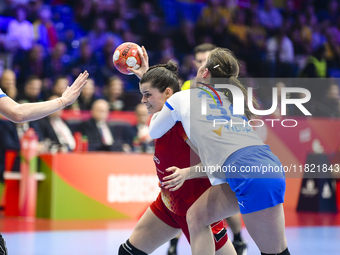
(44, 44)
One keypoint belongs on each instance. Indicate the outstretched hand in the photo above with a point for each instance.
(145, 64)
(176, 179)
(72, 93)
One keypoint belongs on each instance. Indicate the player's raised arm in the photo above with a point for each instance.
(33, 111)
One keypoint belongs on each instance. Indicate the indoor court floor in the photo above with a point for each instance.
(307, 233)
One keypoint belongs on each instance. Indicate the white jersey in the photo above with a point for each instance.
(216, 134)
(2, 94)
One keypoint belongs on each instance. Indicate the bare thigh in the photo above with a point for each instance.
(216, 203)
(267, 228)
(150, 233)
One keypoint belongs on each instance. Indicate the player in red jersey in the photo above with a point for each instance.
(164, 219)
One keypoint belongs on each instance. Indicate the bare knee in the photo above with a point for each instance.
(196, 218)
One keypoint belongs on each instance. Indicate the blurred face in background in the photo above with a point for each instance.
(59, 50)
(200, 57)
(36, 53)
(21, 14)
(33, 88)
(89, 89)
(116, 88)
(142, 114)
(333, 92)
(85, 51)
(8, 79)
(100, 110)
(60, 86)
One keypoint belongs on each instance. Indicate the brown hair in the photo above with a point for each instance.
(162, 76)
(204, 47)
(222, 63)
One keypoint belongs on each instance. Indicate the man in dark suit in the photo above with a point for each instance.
(138, 136)
(57, 132)
(101, 137)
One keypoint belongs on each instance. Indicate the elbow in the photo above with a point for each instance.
(18, 117)
(153, 134)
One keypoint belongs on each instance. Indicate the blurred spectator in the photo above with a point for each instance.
(214, 18)
(167, 50)
(257, 46)
(187, 69)
(331, 13)
(318, 38)
(100, 136)
(141, 21)
(108, 69)
(330, 105)
(45, 32)
(87, 96)
(59, 60)
(60, 85)
(8, 83)
(118, 99)
(87, 61)
(185, 37)
(118, 26)
(289, 11)
(139, 134)
(128, 36)
(238, 27)
(34, 64)
(98, 35)
(333, 48)
(201, 53)
(56, 133)
(113, 94)
(20, 34)
(302, 36)
(152, 38)
(316, 66)
(270, 17)
(84, 13)
(280, 55)
(32, 90)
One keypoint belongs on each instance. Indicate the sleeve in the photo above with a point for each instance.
(2, 94)
(164, 120)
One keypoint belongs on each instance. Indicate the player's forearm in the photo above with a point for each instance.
(33, 111)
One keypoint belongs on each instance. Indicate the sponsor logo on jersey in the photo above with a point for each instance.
(156, 160)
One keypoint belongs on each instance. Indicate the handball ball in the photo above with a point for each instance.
(126, 56)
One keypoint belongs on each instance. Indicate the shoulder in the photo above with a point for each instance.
(176, 98)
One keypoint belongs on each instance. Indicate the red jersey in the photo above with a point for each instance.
(172, 150)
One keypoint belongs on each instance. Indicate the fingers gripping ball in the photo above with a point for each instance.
(126, 56)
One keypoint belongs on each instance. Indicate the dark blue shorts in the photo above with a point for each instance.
(256, 177)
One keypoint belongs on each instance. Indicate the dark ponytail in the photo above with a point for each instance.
(163, 76)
